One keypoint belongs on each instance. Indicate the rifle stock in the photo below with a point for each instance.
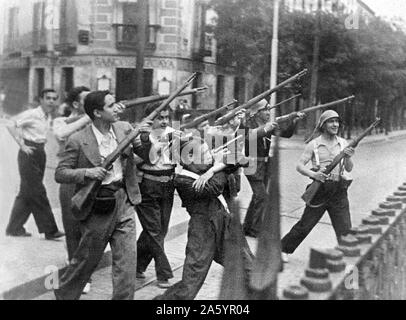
(258, 98)
(83, 200)
(315, 185)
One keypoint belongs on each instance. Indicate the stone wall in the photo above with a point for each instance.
(369, 264)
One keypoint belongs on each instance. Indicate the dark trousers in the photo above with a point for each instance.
(70, 224)
(205, 244)
(254, 216)
(338, 209)
(154, 213)
(32, 197)
(114, 225)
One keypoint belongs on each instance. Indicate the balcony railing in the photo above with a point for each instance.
(127, 37)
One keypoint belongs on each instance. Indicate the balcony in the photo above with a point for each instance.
(126, 36)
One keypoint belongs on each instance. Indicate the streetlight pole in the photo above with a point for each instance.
(141, 37)
(311, 120)
(274, 54)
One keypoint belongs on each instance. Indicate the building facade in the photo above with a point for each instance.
(66, 43)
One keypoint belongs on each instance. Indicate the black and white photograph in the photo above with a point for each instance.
(215, 151)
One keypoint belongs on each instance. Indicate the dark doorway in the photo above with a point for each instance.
(39, 82)
(239, 89)
(126, 89)
(66, 81)
(220, 91)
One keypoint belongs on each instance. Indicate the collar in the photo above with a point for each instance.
(321, 141)
(99, 136)
(41, 112)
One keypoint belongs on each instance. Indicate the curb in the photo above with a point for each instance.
(34, 288)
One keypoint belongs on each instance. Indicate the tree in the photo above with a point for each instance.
(369, 62)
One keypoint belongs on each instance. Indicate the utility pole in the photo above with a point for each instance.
(274, 54)
(141, 38)
(311, 119)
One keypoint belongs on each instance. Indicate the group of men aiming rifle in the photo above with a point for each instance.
(108, 168)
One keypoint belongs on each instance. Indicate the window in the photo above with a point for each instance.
(68, 26)
(197, 82)
(66, 81)
(39, 81)
(12, 26)
(239, 89)
(127, 28)
(39, 35)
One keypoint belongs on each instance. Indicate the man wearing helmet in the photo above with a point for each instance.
(322, 147)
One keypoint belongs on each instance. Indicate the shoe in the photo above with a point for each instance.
(164, 284)
(86, 289)
(22, 234)
(285, 257)
(140, 275)
(54, 236)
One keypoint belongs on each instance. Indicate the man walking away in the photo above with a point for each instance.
(30, 131)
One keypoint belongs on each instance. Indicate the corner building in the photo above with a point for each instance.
(66, 43)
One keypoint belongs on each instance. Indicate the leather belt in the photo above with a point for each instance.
(163, 179)
(33, 144)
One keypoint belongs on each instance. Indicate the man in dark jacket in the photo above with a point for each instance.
(200, 184)
(112, 218)
(258, 133)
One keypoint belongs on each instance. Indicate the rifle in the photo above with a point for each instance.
(286, 101)
(293, 115)
(258, 98)
(280, 103)
(83, 200)
(315, 185)
(150, 99)
(207, 116)
(227, 144)
(144, 100)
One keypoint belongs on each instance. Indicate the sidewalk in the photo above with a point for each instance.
(25, 264)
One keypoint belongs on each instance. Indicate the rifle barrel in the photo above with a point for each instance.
(228, 143)
(205, 117)
(259, 97)
(150, 99)
(286, 101)
(329, 104)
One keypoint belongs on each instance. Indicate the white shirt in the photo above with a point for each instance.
(107, 144)
(160, 151)
(34, 125)
(322, 152)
